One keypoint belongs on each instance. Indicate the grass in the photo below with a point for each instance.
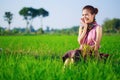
(40, 58)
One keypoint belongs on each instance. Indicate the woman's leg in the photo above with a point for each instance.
(68, 61)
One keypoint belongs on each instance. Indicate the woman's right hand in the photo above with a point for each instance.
(82, 31)
(84, 24)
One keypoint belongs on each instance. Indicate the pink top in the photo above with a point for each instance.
(90, 36)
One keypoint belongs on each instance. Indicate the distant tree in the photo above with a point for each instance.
(32, 28)
(40, 31)
(47, 29)
(33, 14)
(2, 30)
(29, 14)
(116, 25)
(15, 30)
(22, 30)
(42, 13)
(25, 13)
(8, 16)
(111, 25)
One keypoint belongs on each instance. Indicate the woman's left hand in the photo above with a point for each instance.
(96, 49)
(95, 46)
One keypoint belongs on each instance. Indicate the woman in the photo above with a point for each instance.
(90, 34)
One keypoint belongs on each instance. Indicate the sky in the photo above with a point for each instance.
(62, 13)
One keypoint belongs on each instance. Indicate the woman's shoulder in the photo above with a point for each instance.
(98, 28)
(98, 25)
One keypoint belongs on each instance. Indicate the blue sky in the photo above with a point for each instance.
(62, 13)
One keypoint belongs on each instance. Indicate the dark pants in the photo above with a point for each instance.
(77, 55)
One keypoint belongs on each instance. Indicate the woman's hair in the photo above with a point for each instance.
(91, 9)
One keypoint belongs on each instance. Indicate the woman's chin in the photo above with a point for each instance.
(87, 22)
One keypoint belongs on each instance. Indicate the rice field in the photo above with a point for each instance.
(40, 58)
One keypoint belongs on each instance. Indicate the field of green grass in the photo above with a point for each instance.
(40, 58)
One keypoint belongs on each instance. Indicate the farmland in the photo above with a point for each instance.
(40, 58)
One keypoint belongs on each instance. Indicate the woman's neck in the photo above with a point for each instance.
(91, 25)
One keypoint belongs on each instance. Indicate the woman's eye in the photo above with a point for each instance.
(86, 14)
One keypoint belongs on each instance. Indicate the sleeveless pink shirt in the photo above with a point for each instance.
(90, 37)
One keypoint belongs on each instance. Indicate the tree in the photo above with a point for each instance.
(32, 28)
(25, 14)
(2, 30)
(29, 14)
(42, 13)
(33, 14)
(111, 25)
(116, 25)
(8, 17)
(40, 31)
(15, 30)
(47, 29)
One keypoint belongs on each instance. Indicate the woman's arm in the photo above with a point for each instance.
(81, 34)
(82, 31)
(98, 37)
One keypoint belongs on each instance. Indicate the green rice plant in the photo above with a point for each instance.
(40, 58)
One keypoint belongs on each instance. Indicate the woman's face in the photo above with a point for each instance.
(87, 16)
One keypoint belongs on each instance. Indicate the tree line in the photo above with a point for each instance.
(29, 13)
(111, 25)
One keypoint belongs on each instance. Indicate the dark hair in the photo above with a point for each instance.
(91, 9)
